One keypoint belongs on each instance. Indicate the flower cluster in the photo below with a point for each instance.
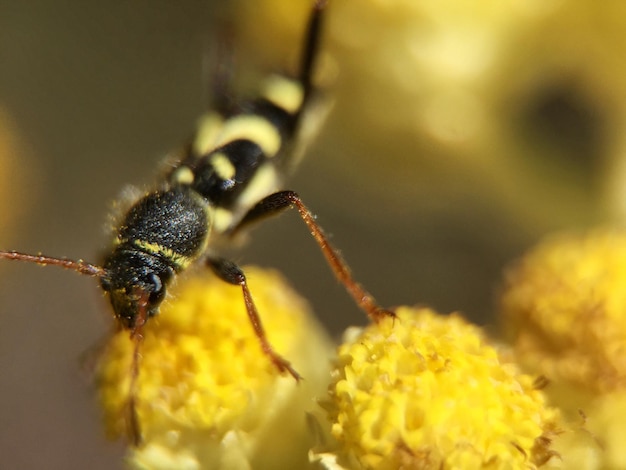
(428, 391)
(564, 311)
(207, 396)
(422, 390)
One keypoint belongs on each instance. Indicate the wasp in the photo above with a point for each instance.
(229, 176)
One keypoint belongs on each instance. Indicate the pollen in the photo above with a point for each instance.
(207, 396)
(427, 391)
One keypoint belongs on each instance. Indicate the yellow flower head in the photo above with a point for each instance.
(564, 308)
(426, 391)
(207, 396)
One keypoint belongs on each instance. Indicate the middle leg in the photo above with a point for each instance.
(233, 274)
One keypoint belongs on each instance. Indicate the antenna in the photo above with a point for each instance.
(79, 266)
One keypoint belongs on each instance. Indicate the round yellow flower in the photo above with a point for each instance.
(207, 396)
(426, 391)
(564, 308)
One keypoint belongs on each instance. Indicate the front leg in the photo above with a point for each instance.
(231, 273)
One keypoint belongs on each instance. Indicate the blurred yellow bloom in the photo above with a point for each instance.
(605, 424)
(564, 309)
(427, 391)
(207, 396)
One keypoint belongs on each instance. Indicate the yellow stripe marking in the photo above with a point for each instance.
(183, 175)
(253, 128)
(222, 219)
(177, 259)
(223, 166)
(283, 92)
(265, 182)
(208, 128)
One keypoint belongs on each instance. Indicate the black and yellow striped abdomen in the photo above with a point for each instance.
(240, 157)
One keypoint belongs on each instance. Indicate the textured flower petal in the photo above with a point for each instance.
(207, 396)
(427, 391)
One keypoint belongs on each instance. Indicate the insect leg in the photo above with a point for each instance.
(279, 201)
(233, 274)
(136, 335)
(311, 46)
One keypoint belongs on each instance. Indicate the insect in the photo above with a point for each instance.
(212, 191)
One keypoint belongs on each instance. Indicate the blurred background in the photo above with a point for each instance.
(458, 135)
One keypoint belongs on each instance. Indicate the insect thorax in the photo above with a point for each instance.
(161, 235)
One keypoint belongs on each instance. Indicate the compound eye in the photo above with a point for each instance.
(105, 282)
(158, 290)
